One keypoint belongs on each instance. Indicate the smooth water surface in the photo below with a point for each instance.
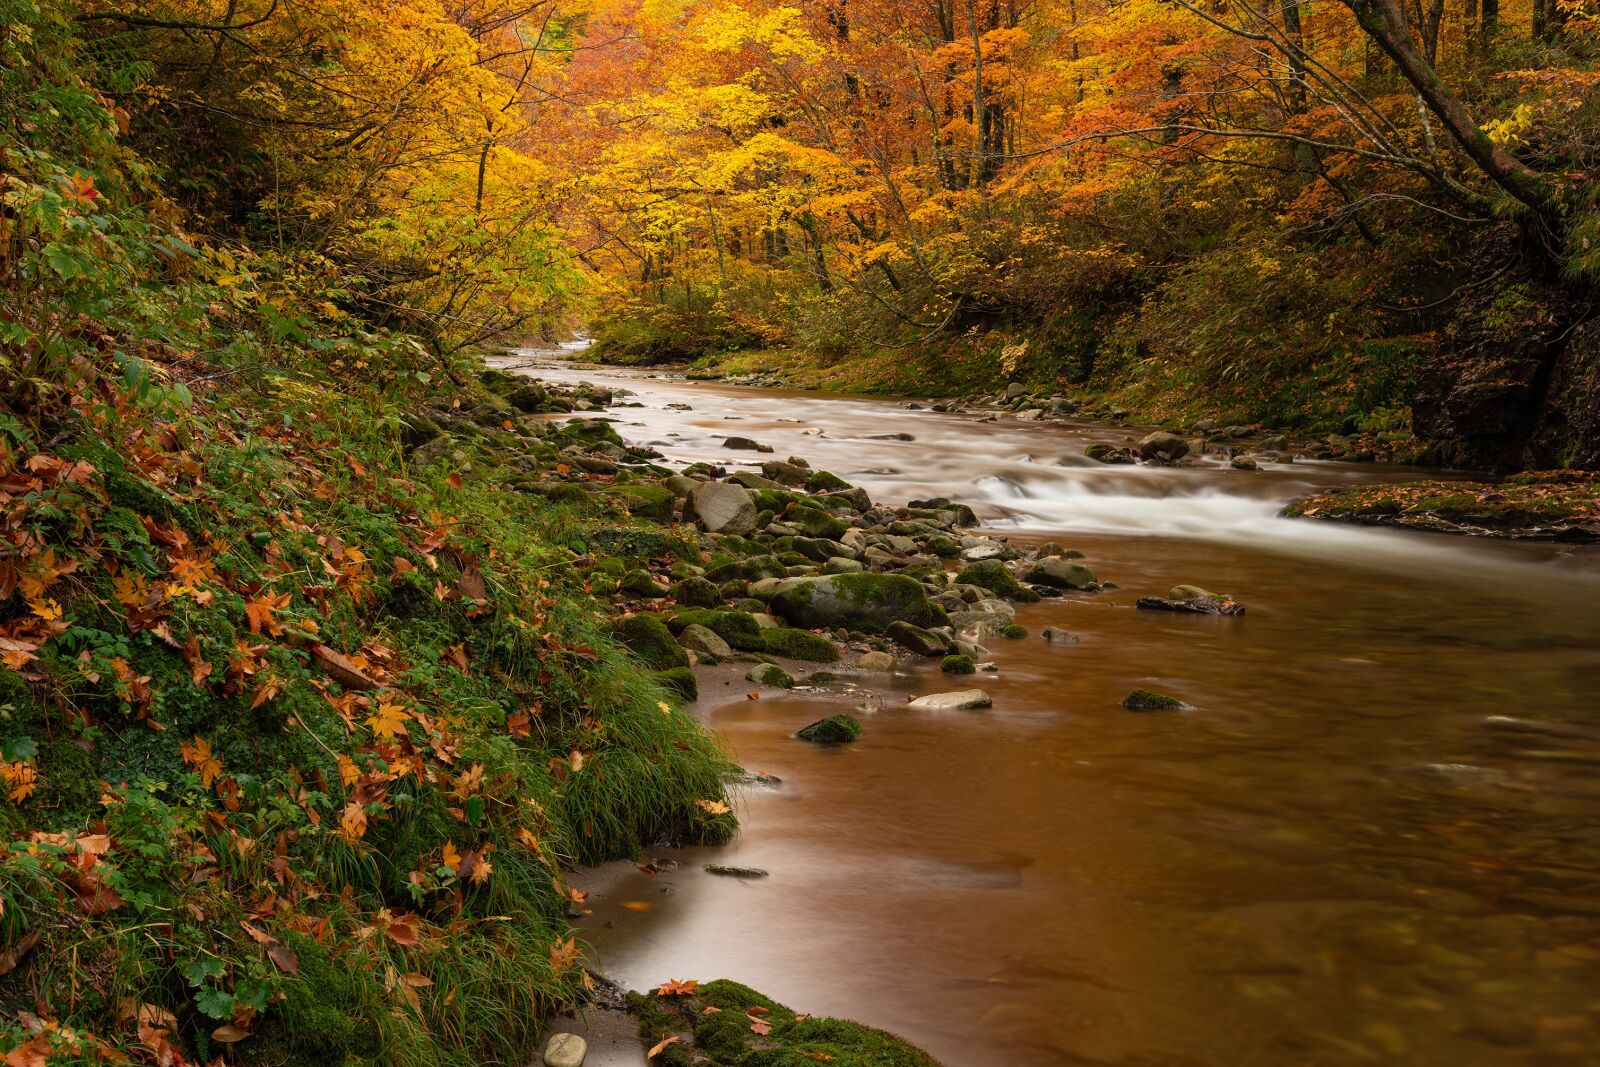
(1339, 856)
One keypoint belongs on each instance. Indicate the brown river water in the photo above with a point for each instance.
(1337, 857)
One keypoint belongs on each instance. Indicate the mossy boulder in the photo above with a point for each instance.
(650, 639)
(769, 674)
(1013, 632)
(994, 576)
(798, 644)
(723, 1037)
(1059, 572)
(860, 601)
(816, 522)
(826, 482)
(697, 593)
(680, 680)
(640, 584)
(922, 642)
(957, 664)
(740, 629)
(646, 501)
(834, 730)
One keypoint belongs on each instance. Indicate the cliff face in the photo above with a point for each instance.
(1516, 382)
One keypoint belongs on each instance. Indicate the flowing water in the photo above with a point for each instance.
(1339, 856)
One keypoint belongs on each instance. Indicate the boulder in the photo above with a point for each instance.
(994, 576)
(841, 565)
(1146, 700)
(966, 699)
(697, 593)
(721, 507)
(1163, 446)
(649, 639)
(769, 674)
(861, 601)
(1104, 453)
(745, 444)
(834, 730)
(876, 661)
(922, 642)
(701, 639)
(1059, 572)
(1057, 636)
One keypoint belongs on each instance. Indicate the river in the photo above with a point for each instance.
(1339, 856)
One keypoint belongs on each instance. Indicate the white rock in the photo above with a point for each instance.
(565, 1050)
(958, 701)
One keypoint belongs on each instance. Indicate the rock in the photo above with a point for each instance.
(769, 674)
(1244, 463)
(816, 522)
(697, 638)
(697, 593)
(890, 437)
(1192, 592)
(1060, 572)
(1015, 390)
(745, 444)
(1204, 605)
(1145, 700)
(1104, 453)
(876, 661)
(1163, 446)
(922, 642)
(734, 872)
(1205, 426)
(798, 644)
(862, 601)
(1275, 443)
(834, 730)
(959, 664)
(649, 639)
(841, 565)
(966, 699)
(565, 1050)
(1013, 632)
(994, 576)
(721, 507)
(1057, 636)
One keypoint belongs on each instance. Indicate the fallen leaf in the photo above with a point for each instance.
(666, 1042)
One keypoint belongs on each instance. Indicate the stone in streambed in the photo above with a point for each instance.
(1193, 600)
(842, 565)
(1057, 636)
(994, 576)
(1146, 700)
(565, 1050)
(769, 674)
(964, 700)
(862, 601)
(697, 593)
(922, 642)
(1104, 453)
(798, 644)
(701, 639)
(1163, 447)
(745, 444)
(834, 730)
(1059, 572)
(876, 661)
(721, 507)
(734, 872)
(957, 664)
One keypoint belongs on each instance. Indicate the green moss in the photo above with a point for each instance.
(697, 593)
(650, 639)
(641, 584)
(834, 730)
(723, 1037)
(770, 674)
(1147, 700)
(994, 576)
(826, 482)
(798, 644)
(957, 664)
(647, 501)
(681, 681)
(1013, 632)
(738, 628)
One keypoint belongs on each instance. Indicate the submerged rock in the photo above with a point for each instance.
(1147, 700)
(966, 699)
(834, 730)
(1202, 604)
(1163, 447)
(1060, 572)
(1057, 636)
(922, 642)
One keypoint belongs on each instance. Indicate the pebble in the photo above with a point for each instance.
(565, 1050)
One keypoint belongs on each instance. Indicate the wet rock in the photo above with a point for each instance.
(964, 700)
(1014, 391)
(1276, 443)
(876, 661)
(993, 575)
(1013, 632)
(1191, 600)
(721, 507)
(862, 601)
(769, 674)
(565, 1050)
(922, 642)
(890, 437)
(734, 872)
(842, 565)
(1057, 636)
(834, 730)
(697, 593)
(745, 444)
(1244, 463)
(701, 639)
(1147, 700)
(1163, 447)
(958, 664)
(1104, 453)
(798, 644)
(1061, 573)
(816, 522)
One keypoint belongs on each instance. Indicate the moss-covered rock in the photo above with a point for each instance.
(769, 674)
(817, 523)
(646, 501)
(640, 584)
(739, 628)
(650, 639)
(825, 482)
(1148, 700)
(1013, 632)
(860, 601)
(957, 664)
(723, 1037)
(994, 576)
(697, 593)
(834, 730)
(798, 644)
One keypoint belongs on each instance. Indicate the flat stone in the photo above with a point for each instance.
(721, 507)
(958, 701)
(735, 872)
(875, 661)
(565, 1050)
